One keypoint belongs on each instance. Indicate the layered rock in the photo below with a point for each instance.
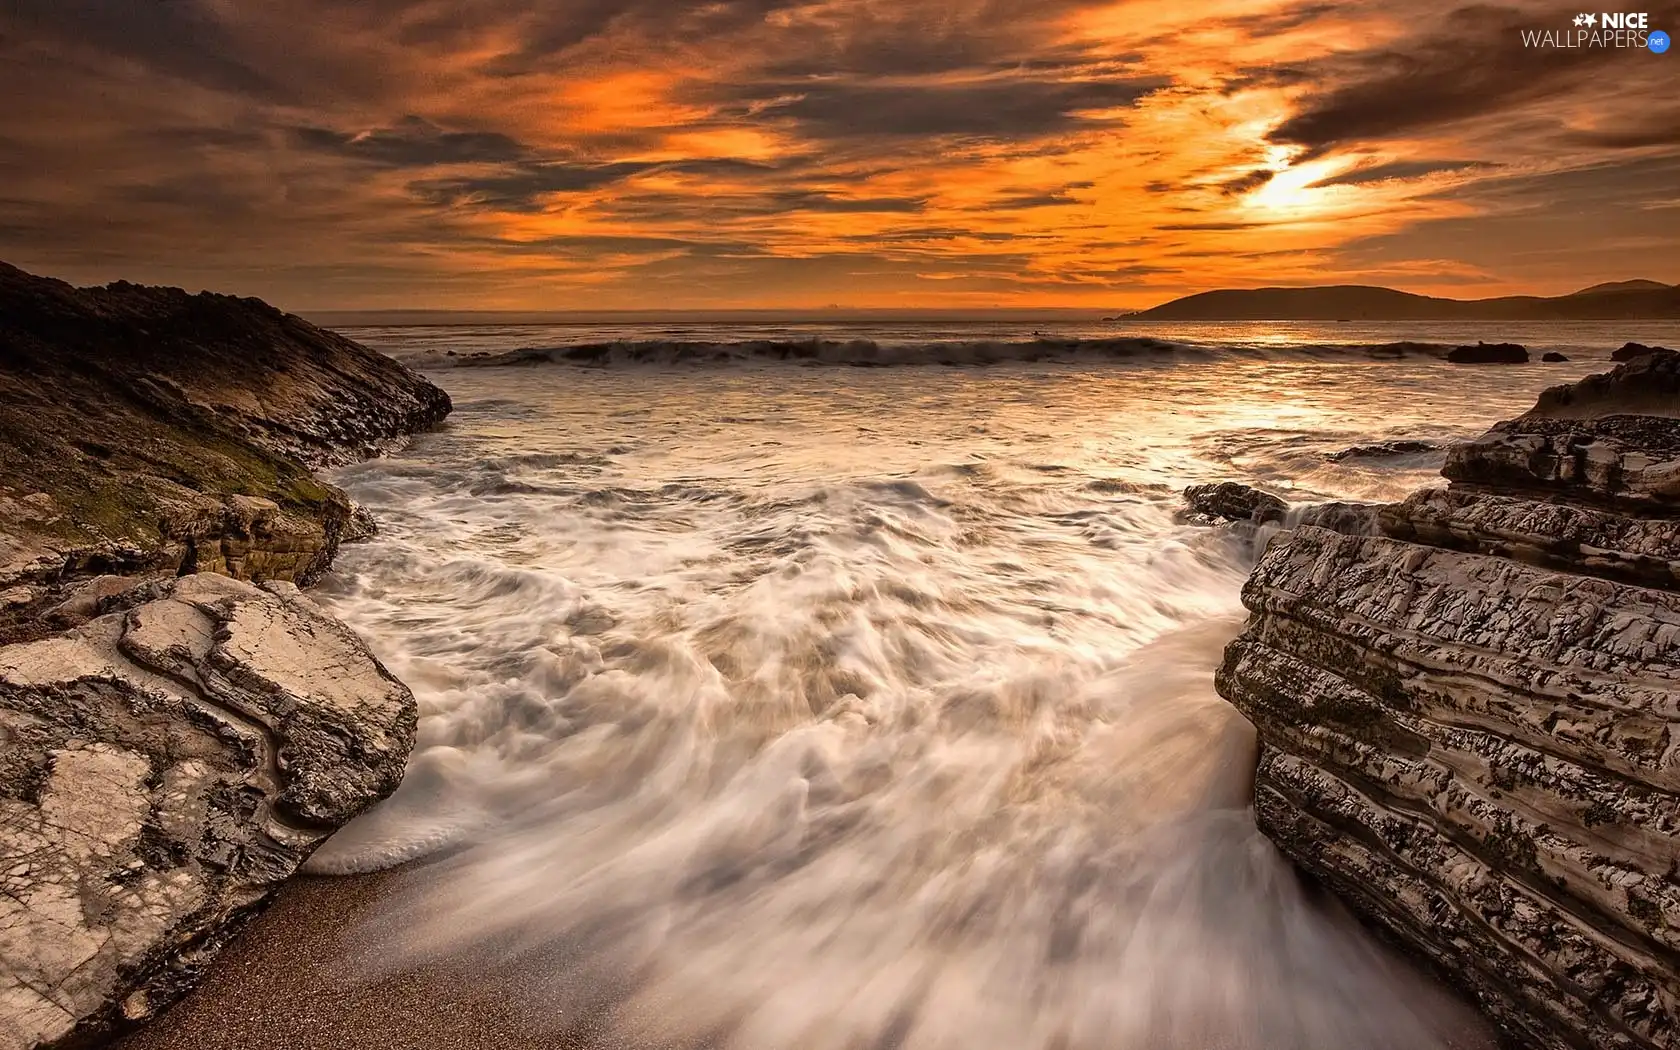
(162, 769)
(173, 742)
(1468, 721)
(145, 429)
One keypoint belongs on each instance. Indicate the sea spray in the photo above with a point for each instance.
(783, 710)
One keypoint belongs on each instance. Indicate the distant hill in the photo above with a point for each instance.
(1620, 300)
(1622, 286)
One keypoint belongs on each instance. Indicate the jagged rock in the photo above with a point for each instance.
(1489, 354)
(1233, 501)
(1249, 507)
(162, 770)
(145, 429)
(1649, 386)
(1385, 448)
(1469, 723)
(1634, 351)
(1552, 357)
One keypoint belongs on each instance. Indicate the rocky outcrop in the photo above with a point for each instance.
(1489, 354)
(1552, 357)
(145, 429)
(173, 742)
(1634, 351)
(162, 769)
(1470, 720)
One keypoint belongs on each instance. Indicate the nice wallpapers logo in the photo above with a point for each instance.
(1607, 29)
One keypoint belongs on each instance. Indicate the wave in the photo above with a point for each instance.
(871, 353)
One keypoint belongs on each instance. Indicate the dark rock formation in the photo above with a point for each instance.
(1633, 351)
(145, 429)
(1243, 506)
(1553, 357)
(1233, 501)
(1489, 354)
(166, 763)
(1385, 448)
(1469, 722)
(162, 769)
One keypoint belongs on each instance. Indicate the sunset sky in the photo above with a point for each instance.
(648, 154)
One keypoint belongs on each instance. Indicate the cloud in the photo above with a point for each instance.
(986, 109)
(1097, 152)
(1469, 64)
(1251, 180)
(1402, 169)
(413, 142)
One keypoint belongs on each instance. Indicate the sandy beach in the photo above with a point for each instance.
(280, 986)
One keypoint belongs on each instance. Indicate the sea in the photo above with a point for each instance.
(828, 686)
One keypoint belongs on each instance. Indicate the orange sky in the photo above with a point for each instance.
(648, 154)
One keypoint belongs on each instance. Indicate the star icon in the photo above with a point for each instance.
(1580, 20)
(1591, 20)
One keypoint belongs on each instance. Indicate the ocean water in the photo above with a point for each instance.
(767, 705)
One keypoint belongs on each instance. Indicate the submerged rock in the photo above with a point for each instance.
(1489, 354)
(1467, 722)
(145, 429)
(1553, 357)
(162, 769)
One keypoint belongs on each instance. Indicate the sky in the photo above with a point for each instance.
(793, 154)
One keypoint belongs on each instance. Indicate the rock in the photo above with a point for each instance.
(361, 527)
(1489, 354)
(1385, 448)
(1232, 501)
(145, 429)
(1634, 351)
(1244, 505)
(1466, 722)
(1553, 357)
(162, 770)
(1647, 386)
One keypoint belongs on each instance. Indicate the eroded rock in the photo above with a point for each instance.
(145, 430)
(1470, 723)
(162, 770)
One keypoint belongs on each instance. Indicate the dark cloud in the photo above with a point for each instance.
(817, 200)
(1185, 226)
(1402, 169)
(413, 142)
(982, 109)
(1470, 64)
(1024, 199)
(524, 189)
(1657, 129)
(179, 38)
(1245, 182)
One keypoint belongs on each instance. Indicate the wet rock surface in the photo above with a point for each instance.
(1234, 501)
(162, 769)
(1468, 720)
(145, 429)
(1383, 449)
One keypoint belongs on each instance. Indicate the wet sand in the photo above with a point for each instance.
(279, 986)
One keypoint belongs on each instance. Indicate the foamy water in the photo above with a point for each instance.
(768, 707)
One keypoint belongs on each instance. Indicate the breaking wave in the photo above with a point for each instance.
(871, 353)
